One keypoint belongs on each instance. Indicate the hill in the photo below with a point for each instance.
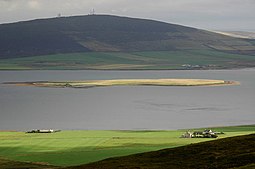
(235, 153)
(113, 42)
(107, 33)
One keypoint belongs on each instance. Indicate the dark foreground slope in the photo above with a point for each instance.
(236, 152)
(8, 164)
(109, 34)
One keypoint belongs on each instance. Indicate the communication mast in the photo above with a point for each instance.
(92, 11)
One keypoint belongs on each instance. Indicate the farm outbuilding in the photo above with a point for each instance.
(187, 135)
(43, 131)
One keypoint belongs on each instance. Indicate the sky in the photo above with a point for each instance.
(225, 15)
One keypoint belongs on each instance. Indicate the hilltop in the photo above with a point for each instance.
(113, 42)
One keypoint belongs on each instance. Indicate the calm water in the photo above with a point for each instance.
(133, 107)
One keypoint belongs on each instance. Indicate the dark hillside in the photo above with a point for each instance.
(228, 153)
(27, 40)
(108, 34)
(9, 164)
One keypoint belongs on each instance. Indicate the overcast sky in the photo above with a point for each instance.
(206, 14)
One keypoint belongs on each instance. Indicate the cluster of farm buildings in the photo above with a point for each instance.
(201, 134)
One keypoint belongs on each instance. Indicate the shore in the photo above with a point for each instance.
(126, 82)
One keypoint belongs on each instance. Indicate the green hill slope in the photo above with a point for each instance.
(236, 152)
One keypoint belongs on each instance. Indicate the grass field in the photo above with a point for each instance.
(227, 153)
(67, 148)
(197, 59)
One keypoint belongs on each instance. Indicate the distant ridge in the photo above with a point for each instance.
(238, 34)
(106, 33)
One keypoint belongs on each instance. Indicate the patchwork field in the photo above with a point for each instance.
(68, 148)
(184, 59)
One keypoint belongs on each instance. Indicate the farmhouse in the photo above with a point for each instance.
(201, 134)
(43, 131)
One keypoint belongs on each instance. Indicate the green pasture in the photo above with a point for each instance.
(67, 148)
(131, 60)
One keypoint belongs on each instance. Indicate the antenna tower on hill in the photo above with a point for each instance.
(92, 11)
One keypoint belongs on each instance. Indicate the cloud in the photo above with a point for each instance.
(6, 5)
(34, 4)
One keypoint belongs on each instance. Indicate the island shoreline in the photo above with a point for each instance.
(125, 82)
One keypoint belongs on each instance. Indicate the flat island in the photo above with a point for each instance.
(126, 82)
